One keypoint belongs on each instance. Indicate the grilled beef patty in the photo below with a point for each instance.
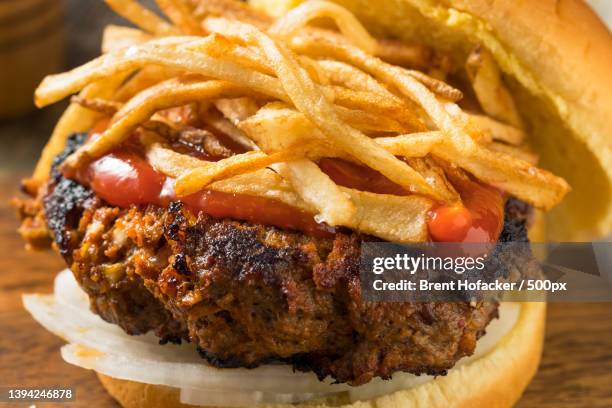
(249, 294)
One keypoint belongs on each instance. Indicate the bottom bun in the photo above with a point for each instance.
(497, 379)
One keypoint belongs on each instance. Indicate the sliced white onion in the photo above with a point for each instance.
(105, 348)
(175, 365)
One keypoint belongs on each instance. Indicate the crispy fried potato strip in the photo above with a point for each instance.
(519, 152)
(494, 97)
(237, 109)
(390, 217)
(180, 14)
(301, 15)
(141, 17)
(97, 104)
(498, 130)
(413, 144)
(437, 86)
(56, 87)
(313, 186)
(74, 119)
(272, 97)
(307, 98)
(394, 218)
(349, 76)
(201, 177)
(235, 10)
(171, 93)
(117, 37)
(278, 118)
(533, 185)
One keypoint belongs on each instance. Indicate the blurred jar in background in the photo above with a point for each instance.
(31, 46)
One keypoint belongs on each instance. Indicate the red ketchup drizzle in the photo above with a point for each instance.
(255, 209)
(358, 177)
(479, 219)
(123, 177)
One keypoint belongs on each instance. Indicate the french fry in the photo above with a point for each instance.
(353, 78)
(289, 94)
(398, 219)
(389, 106)
(435, 174)
(370, 122)
(522, 153)
(221, 47)
(494, 97)
(411, 145)
(170, 162)
(235, 10)
(201, 177)
(515, 176)
(97, 104)
(316, 72)
(74, 119)
(264, 183)
(316, 189)
(311, 184)
(237, 109)
(228, 128)
(437, 86)
(417, 56)
(307, 98)
(278, 118)
(394, 218)
(56, 87)
(141, 17)
(117, 37)
(175, 92)
(143, 79)
(178, 12)
(378, 105)
(301, 15)
(498, 130)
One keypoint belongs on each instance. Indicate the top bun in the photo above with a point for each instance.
(557, 57)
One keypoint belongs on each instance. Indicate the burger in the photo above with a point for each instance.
(219, 169)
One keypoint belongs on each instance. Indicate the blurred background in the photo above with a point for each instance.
(38, 37)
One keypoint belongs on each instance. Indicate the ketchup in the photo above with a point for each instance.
(255, 209)
(358, 177)
(478, 219)
(123, 178)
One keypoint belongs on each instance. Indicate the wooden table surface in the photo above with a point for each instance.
(576, 369)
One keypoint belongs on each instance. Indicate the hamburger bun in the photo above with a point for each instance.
(556, 56)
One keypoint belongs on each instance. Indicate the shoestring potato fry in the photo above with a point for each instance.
(292, 93)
